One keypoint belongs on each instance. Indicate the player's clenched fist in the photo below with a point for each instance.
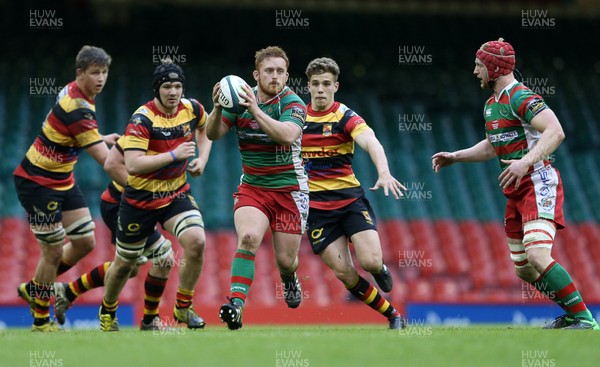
(185, 150)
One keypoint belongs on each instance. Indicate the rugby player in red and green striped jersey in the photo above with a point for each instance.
(46, 187)
(339, 210)
(273, 193)
(522, 131)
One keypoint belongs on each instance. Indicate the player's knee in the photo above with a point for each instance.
(52, 254)
(163, 271)
(249, 241)
(123, 269)
(372, 263)
(527, 273)
(539, 259)
(537, 241)
(346, 274)
(195, 248)
(84, 245)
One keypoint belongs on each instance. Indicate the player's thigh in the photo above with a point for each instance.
(286, 246)
(337, 256)
(367, 247)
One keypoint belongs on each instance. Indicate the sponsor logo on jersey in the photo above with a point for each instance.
(547, 203)
(503, 137)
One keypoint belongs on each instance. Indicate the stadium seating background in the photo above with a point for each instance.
(452, 222)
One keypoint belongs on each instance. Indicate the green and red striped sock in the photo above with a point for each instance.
(242, 274)
(561, 287)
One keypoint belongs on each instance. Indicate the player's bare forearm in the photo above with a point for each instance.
(480, 152)
(370, 144)
(98, 152)
(204, 145)
(282, 132)
(115, 166)
(552, 137)
(215, 127)
(138, 162)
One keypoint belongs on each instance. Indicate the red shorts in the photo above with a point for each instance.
(287, 211)
(540, 196)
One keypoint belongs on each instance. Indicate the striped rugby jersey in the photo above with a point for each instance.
(70, 126)
(153, 132)
(265, 163)
(328, 149)
(508, 123)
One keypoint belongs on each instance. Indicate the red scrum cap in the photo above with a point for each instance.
(498, 58)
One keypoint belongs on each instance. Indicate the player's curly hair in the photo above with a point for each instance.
(323, 65)
(270, 51)
(91, 55)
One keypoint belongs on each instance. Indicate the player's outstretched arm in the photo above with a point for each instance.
(215, 127)
(482, 151)
(370, 144)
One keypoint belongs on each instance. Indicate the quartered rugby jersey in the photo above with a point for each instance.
(328, 149)
(508, 123)
(153, 132)
(69, 127)
(265, 163)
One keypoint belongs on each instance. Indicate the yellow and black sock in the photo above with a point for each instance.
(109, 308)
(90, 280)
(365, 291)
(153, 290)
(183, 298)
(42, 293)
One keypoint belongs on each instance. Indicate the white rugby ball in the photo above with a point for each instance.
(229, 95)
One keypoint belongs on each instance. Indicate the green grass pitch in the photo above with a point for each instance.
(306, 346)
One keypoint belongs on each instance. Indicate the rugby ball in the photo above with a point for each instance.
(229, 94)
